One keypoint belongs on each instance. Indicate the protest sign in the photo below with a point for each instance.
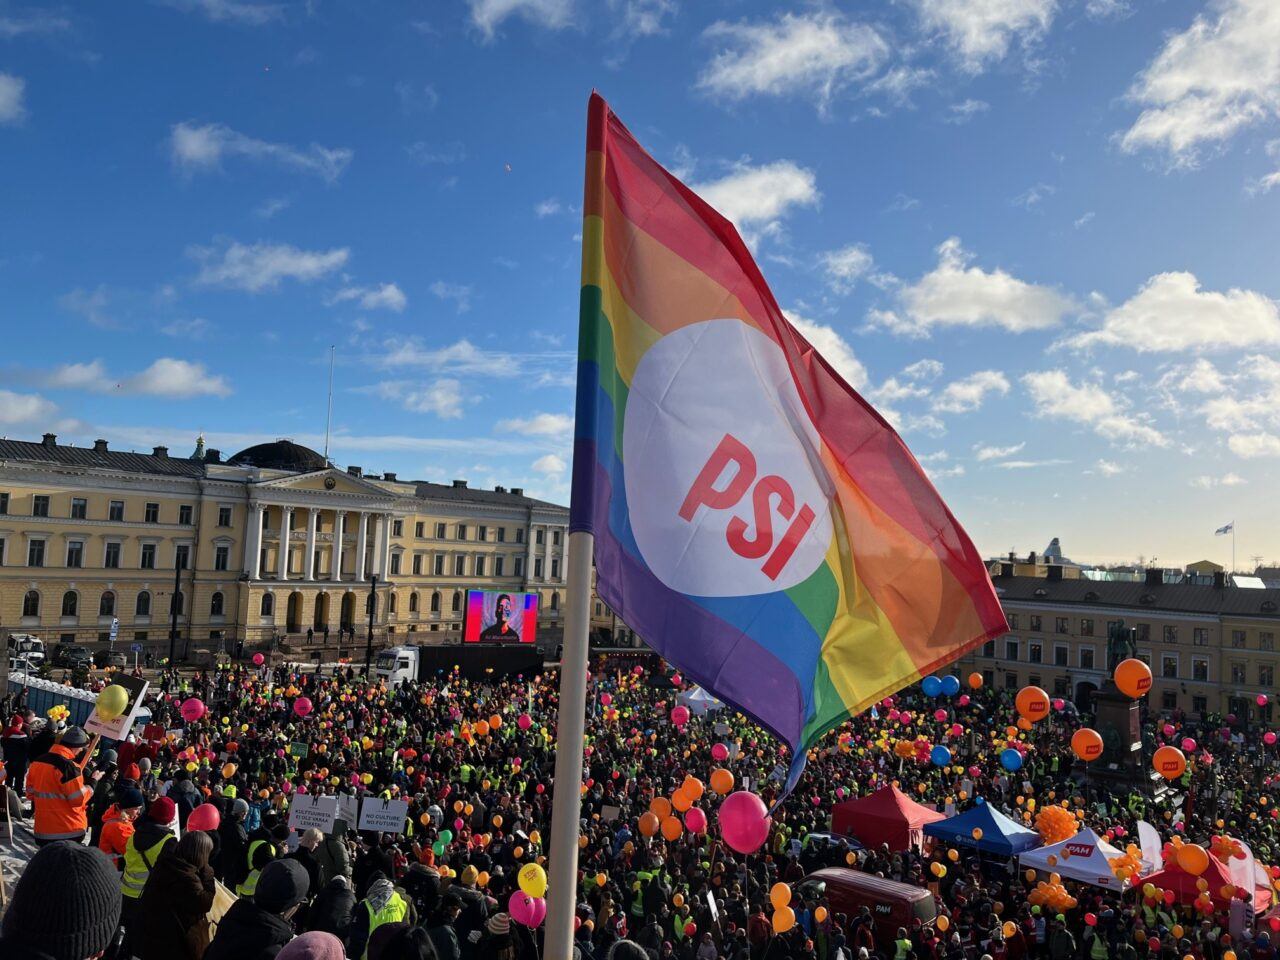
(312, 810)
(117, 729)
(383, 816)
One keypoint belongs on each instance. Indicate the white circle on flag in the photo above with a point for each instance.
(714, 437)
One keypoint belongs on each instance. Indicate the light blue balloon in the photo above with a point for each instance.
(950, 685)
(940, 756)
(1011, 759)
(931, 686)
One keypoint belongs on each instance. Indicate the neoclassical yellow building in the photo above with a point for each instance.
(269, 544)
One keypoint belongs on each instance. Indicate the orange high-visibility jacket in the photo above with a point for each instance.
(55, 784)
(116, 831)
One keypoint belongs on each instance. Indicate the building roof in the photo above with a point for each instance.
(100, 457)
(281, 454)
(514, 497)
(1140, 596)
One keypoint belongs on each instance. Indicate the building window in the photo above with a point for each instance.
(268, 606)
(538, 536)
(1169, 667)
(221, 557)
(75, 553)
(1200, 669)
(79, 508)
(1266, 638)
(1086, 658)
(391, 602)
(1, 551)
(70, 603)
(462, 531)
(147, 558)
(397, 528)
(181, 554)
(1034, 653)
(1060, 654)
(1086, 627)
(1170, 633)
(479, 566)
(1035, 623)
(1062, 625)
(111, 559)
(107, 604)
(1011, 649)
(537, 568)
(176, 603)
(142, 605)
(224, 516)
(151, 513)
(459, 565)
(31, 604)
(502, 534)
(1013, 621)
(1237, 673)
(438, 566)
(1034, 680)
(519, 534)
(457, 600)
(497, 565)
(1011, 681)
(4, 503)
(555, 600)
(1200, 704)
(440, 531)
(1169, 700)
(413, 602)
(555, 569)
(482, 533)
(519, 561)
(1061, 687)
(35, 553)
(989, 649)
(1200, 637)
(1143, 635)
(184, 514)
(420, 529)
(435, 601)
(1266, 675)
(417, 564)
(395, 564)
(40, 505)
(1237, 639)
(555, 538)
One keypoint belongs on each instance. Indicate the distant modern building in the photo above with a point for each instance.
(264, 546)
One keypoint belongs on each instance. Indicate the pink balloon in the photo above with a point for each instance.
(894, 715)
(719, 752)
(744, 821)
(939, 714)
(1262, 700)
(302, 706)
(523, 908)
(524, 721)
(259, 659)
(905, 717)
(695, 821)
(680, 715)
(1167, 729)
(637, 670)
(204, 817)
(1269, 737)
(192, 710)
(956, 729)
(676, 679)
(1059, 703)
(1188, 745)
(459, 823)
(839, 793)
(964, 700)
(606, 698)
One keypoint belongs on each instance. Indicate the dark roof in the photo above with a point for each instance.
(107, 460)
(504, 498)
(1176, 597)
(280, 455)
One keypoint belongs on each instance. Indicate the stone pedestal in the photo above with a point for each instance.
(1122, 764)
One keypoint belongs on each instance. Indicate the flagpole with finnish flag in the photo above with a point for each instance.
(1222, 532)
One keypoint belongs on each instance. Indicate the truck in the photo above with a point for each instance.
(396, 665)
(25, 647)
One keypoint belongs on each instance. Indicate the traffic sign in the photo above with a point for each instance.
(135, 648)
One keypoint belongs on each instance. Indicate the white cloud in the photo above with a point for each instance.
(461, 357)
(24, 409)
(166, 377)
(966, 110)
(1089, 404)
(416, 98)
(1029, 464)
(983, 453)
(923, 370)
(443, 397)
(846, 266)
(193, 328)
(1209, 82)
(944, 473)
(1030, 198)
(488, 15)
(425, 153)
(17, 25)
(550, 464)
(1171, 313)
(386, 296)
(460, 294)
(262, 266)
(1084, 219)
(1208, 482)
(548, 208)
(955, 293)
(969, 393)
(1253, 445)
(980, 32)
(270, 207)
(756, 198)
(90, 304)
(1244, 399)
(1109, 468)
(12, 91)
(833, 347)
(1102, 9)
(897, 84)
(555, 425)
(231, 11)
(642, 18)
(199, 149)
(812, 54)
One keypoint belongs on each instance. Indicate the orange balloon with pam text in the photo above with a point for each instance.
(1086, 743)
(1032, 703)
(1133, 678)
(1169, 762)
(1193, 858)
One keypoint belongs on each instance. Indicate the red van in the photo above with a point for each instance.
(893, 904)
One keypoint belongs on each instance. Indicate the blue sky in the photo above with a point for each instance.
(1040, 235)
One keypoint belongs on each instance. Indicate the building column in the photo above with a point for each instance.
(530, 536)
(379, 538)
(313, 521)
(282, 560)
(335, 563)
(386, 545)
(253, 543)
(361, 535)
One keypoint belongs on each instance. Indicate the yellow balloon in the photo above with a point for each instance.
(533, 880)
(112, 702)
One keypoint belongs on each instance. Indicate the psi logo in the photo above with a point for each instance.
(725, 486)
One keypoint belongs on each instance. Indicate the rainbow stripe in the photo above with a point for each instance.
(902, 590)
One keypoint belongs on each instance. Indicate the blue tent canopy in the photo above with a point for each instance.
(1000, 835)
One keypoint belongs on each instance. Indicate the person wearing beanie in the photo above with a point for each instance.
(66, 906)
(257, 927)
(332, 854)
(57, 789)
(258, 854)
(104, 791)
(332, 909)
(315, 945)
(496, 942)
(475, 907)
(117, 824)
(150, 837)
(627, 950)
(382, 905)
(233, 846)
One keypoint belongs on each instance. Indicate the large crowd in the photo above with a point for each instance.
(124, 869)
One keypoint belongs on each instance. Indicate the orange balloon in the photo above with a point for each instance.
(693, 787)
(649, 823)
(722, 781)
(784, 918)
(661, 807)
(820, 914)
(1193, 858)
(495, 722)
(975, 680)
(672, 828)
(680, 800)
(1133, 677)
(1169, 762)
(482, 728)
(1086, 743)
(1032, 703)
(943, 922)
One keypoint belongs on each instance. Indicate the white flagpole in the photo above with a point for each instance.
(566, 805)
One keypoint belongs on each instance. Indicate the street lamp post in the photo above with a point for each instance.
(173, 612)
(373, 603)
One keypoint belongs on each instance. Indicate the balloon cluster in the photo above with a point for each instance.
(1051, 894)
(1128, 866)
(1055, 824)
(784, 918)
(661, 815)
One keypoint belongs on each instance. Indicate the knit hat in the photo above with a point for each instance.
(131, 797)
(315, 945)
(162, 810)
(131, 771)
(67, 903)
(627, 950)
(240, 807)
(282, 884)
(470, 875)
(499, 924)
(381, 939)
(74, 737)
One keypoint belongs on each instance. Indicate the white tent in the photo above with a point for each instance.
(699, 701)
(1085, 857)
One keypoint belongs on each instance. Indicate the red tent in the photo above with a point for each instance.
(886, 816)
(1183, 884)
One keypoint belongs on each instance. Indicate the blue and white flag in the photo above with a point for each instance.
(1223, 531)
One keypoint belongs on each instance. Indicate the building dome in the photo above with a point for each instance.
(280, 455)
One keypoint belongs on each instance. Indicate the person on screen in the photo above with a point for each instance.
(501, 628)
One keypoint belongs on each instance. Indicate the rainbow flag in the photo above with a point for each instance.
(755, 520)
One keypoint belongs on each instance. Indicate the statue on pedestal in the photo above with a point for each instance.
(1120, 644)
